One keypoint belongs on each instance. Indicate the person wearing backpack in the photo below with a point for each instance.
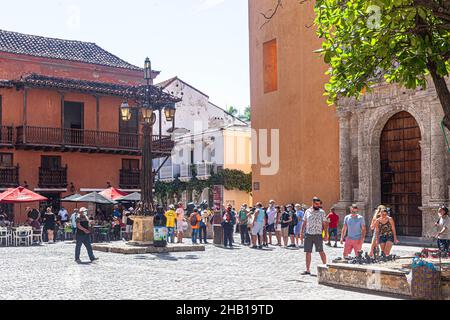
(229, 220)
(195, 219)
(294, 221)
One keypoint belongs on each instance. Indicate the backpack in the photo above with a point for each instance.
(193, 219)
(294, 219)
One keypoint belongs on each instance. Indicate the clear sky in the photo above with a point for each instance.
(204, 42)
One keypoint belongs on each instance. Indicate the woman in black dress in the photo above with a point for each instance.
(50, 224)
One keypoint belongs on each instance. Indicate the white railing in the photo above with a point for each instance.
(166, 173)
(185, 171)
(204, 170)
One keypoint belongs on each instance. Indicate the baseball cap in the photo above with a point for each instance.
(83, 209)
(316, 199)
(354, 206)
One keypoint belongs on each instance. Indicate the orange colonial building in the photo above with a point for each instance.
(287, 85)
(61, 130)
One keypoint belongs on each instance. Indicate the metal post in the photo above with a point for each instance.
(146, 175)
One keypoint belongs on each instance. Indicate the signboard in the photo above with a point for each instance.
(217, 197)
(160, 234)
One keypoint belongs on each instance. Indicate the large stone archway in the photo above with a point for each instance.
(361, 126)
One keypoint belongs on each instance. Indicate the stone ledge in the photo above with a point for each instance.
(371, 278)
(122, 248)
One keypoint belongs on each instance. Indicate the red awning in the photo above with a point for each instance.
(113, 193)
(20, 195)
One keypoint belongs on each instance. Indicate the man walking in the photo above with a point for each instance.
(315, 222)
(243, 225)
(83, 236)
(355, 225)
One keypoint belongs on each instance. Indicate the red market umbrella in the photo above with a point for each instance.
(113, 193)
(20, 195)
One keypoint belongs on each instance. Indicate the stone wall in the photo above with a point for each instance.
(373, 278)
(361, 124)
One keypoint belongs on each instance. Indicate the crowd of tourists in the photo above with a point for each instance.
(291, 226)
(295, 225)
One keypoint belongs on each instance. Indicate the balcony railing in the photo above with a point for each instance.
(90, 140)
(166, 173)
(53, 177)
(185, 172)
(6, 135)
(130, 179)
(9, 177)
(204, 170)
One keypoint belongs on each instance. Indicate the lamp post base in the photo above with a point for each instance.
(143, 232)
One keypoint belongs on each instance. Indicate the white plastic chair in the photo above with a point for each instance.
(5, 236)
(37, 237)
(23, 235)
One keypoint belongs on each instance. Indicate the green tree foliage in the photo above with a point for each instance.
(401, 41)
(230, 179)
(232, 110)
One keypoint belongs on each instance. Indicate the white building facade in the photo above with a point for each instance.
(198, 131)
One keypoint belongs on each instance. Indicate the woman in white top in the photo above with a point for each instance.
(443, 226)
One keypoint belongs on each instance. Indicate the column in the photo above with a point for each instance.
(345, 158)
(438, 169)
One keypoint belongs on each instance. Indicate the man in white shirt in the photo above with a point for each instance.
(315, 222)
(63, 215)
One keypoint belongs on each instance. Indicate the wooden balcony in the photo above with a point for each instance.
(90, 141)
(6, 136)
(130, 179)
(9, 177)
(53, 178)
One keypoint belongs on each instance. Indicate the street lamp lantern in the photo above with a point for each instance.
(148, 69)
(148, 116)
(125, 111)
(169, 112)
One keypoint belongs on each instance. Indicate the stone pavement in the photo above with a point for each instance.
(49, 272)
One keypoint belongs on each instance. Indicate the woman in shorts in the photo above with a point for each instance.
(386, 234)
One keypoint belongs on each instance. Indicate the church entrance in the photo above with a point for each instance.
(401, 173)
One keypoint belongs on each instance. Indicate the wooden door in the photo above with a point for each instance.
(401, 173)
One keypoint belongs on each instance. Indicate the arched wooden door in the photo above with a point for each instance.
(401, 173)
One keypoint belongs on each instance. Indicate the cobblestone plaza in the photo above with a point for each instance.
(49, 272)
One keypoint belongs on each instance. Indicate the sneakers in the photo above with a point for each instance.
(253, 247)
(95, 259)
(306, 273)
(78, 261)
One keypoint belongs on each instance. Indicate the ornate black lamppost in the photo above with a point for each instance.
(148, 104)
